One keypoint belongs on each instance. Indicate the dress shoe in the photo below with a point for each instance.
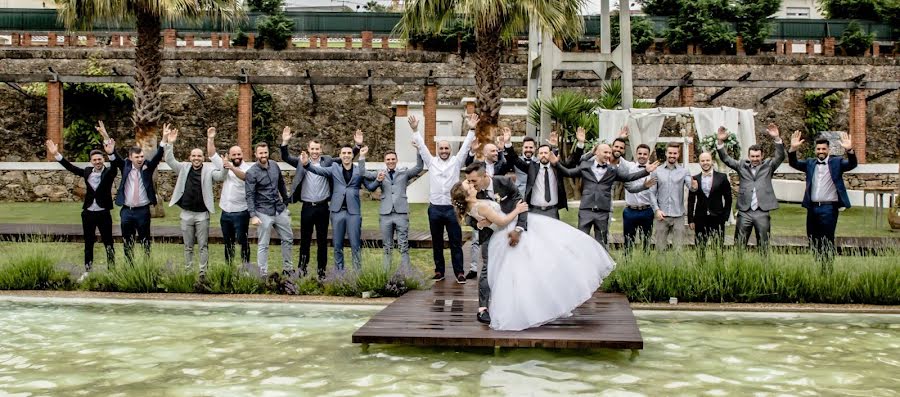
(484, 317)
(472, 275)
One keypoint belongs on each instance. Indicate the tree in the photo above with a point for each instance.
(854, 41)
(496, 23)
(148, 16)
(753, 21)
(851, 9)
(642, 33)
(703, 23)
(374, 6)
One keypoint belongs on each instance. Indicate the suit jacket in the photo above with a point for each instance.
(324, 161)
(393, 191)
(125, 166)
(836, 167)
(207, 174)
(340, 188)
(532, 168)
(501, 167)
(597, 195)
(103, 193)
(762, 181)
(504, 189)
(718, 204)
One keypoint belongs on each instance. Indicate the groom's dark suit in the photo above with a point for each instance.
(505, 190)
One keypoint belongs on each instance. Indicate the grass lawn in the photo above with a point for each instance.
(789, 220)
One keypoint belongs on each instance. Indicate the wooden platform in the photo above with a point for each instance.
(445, 316)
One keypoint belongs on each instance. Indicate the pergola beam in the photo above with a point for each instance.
(723, 90)
(772, 94)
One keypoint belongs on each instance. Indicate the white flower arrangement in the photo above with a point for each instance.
(709, 144)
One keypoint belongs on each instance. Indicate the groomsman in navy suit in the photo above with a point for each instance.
(825, 191)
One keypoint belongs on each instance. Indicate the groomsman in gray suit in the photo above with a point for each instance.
(756, 196)
(597, 177)
(193, 192)
(346, 215)
(394, 208)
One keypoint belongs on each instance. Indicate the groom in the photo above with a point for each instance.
(503, 190)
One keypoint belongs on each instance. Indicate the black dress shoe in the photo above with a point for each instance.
(484, 317)
(471, 274)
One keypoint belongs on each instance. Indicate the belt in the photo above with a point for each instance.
(547, 208)
(823, 203)
(638, 207)
(140, 207)
(316, 204)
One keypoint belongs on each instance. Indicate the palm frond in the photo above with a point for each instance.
(82, 14)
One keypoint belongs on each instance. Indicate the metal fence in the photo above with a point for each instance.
(13, 19)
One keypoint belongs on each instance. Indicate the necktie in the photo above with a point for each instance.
(391, 174)
(547, 184)
(135, 187)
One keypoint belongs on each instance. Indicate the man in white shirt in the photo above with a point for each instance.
(235, 219)
(443, 173)
(638, 214)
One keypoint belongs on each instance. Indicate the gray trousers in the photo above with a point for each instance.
(195, 230)
(475, 249)
(748, 221)
(484, 289)
(670, 226)
(598, 220)
(282, 224)
(389, 224)
(552, 212)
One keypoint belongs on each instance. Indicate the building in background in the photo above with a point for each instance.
(38, 4)
(799, 9)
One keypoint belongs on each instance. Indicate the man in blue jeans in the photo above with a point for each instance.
(443, 173)
(638, 215)
(235, 219)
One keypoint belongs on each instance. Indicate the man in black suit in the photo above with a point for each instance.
(503, 190)
(98, 180)
(709, 206)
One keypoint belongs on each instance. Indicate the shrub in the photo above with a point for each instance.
(854, 41)
(32, 269)
(144, 275)
(177, 279)
(275, 30)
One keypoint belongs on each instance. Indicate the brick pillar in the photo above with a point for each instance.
(54, 114)
(245, 114)
(651, 50)
(251, 41)
(214, 38)
(686, 96)
(430, 113)
(810, 48)
(348, 42)
(51, 39)
(91, 40)
(402, 111)
(313, 42)
(739, 46)
(226, 41)
(779, 47)
(26, 39)
(67, 40)
(127, 41)
(876, 49)
(385, 43)
(690, 49)
(114, 40)
(789, 47)
(828, 47)
(367, 40)
(189, 41)
(470, 108)
(15, 40)
(323, 41)
(666, 50)
(858, 123)
(170, 40)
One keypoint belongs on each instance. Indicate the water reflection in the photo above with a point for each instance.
(139, 348)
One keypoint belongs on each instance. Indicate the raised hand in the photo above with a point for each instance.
(286, 135)
(506, 136)
(413, 123)
(363, 151)
(173, 135)
(580, 135)
(772, 130)
(380, 176)
(553, 159)
(228, 165)
(553, 139)
(652, 167)
(358, 137)
(722, 134)
(796, 141)
(109, 145)
(623, 133)
(304, 158)
(52, 148)
(211, 133)
(472, 121)
(476, 147)
(102, 130)
(846, 142)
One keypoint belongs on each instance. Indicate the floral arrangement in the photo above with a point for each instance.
(709, 143)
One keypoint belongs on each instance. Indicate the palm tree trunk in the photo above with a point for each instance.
(148, 67)
(488, 81)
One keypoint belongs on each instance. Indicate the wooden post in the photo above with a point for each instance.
(54, 114)
(244, 119)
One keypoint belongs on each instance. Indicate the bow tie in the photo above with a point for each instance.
(642, 166)
(821, 162)
(601, 165)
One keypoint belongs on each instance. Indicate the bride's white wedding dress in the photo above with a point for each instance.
(554, 269)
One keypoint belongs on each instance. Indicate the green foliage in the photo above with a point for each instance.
(855, 41)
(458, 33)
(374, 6)
(266, 6)
(32, 269)
(642, 34)
(144, 276)
(263, 114)
(275, 30)
(177, 279)
(567, 109)
(81, 138)
(851, 9)
(739, 276)
(661, 7)
(240, 39)
(753, 21)
(342, 284)
(224, 278)
(373, 278)
(820, 112)
(703, 23)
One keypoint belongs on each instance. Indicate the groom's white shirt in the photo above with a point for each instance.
(443, 174)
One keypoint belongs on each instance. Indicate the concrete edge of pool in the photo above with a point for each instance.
(321, 299)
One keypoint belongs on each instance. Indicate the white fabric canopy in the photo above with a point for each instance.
(739, 121)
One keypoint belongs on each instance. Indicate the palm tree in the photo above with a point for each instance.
(147, 15)
(496, 22)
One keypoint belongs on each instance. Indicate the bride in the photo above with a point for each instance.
(553, 270)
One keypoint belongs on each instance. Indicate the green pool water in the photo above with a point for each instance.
(70, 347)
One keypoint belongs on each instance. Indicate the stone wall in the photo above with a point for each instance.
(341, 109)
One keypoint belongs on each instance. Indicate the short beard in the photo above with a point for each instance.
(822, 156)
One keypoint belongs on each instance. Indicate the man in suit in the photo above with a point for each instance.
(394, 208)
(597, 177)
(709, 206)
(756, 195)
(503, 190)
(495, 164)
(346, 217)
(313, 191)
(267, 199)
(529, 148)
(193, 193)
(98, 180)
(545, 191)
(136, 193)
(825, 191)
